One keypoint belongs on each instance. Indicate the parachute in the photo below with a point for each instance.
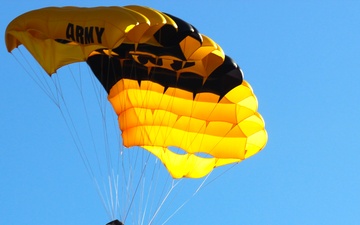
(171, 86)
(175, 93)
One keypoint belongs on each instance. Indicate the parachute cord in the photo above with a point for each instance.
(154, 183)
(218, 176)
(169, 106)
(163, 201)
(165, 195)
(201, 186)
(87, 115)
(109, 206)
(163, 192)
(41, 84)
(71, 127)
(141, 177)
(136, 189)
(113, 187)
(125, 179)
(83, 157)
(147, 198)
(138, 183)
(144, 99)
(112, 183)
(54, 92)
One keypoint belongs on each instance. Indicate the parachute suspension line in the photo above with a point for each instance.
(77, 141)
(136, 188)
(144, 188)
(203, 184)
(81, 92)
(50, 85)
(229, 167)
(128, 163)
(144, 193)
(109, 194)
(163, 201)
(127, 173)
(64, 110)
(40, 81)
(75, 136)
(112, 182)
(149, 193)
(164, 193)
(113, 178)
(141, 182)
(163, 189)
(128, 178)
(187, 200)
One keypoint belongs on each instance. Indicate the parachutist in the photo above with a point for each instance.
(115, 222)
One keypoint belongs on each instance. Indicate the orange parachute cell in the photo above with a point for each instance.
(169, 85)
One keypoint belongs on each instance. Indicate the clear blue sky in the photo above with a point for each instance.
(301, 58)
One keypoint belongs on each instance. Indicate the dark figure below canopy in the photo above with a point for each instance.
(115, 222)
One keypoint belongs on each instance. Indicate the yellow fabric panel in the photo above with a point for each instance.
(156, 20)
(180, 165)
(255, 142)
(209, 53)
(181, 102)
(189, 45)
(191, 142)
(208, 47)
(88, 29)
(229, 130)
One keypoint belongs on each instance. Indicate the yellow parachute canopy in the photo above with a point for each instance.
(169, 85)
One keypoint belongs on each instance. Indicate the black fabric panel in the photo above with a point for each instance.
(109, 70)
(169, 36)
